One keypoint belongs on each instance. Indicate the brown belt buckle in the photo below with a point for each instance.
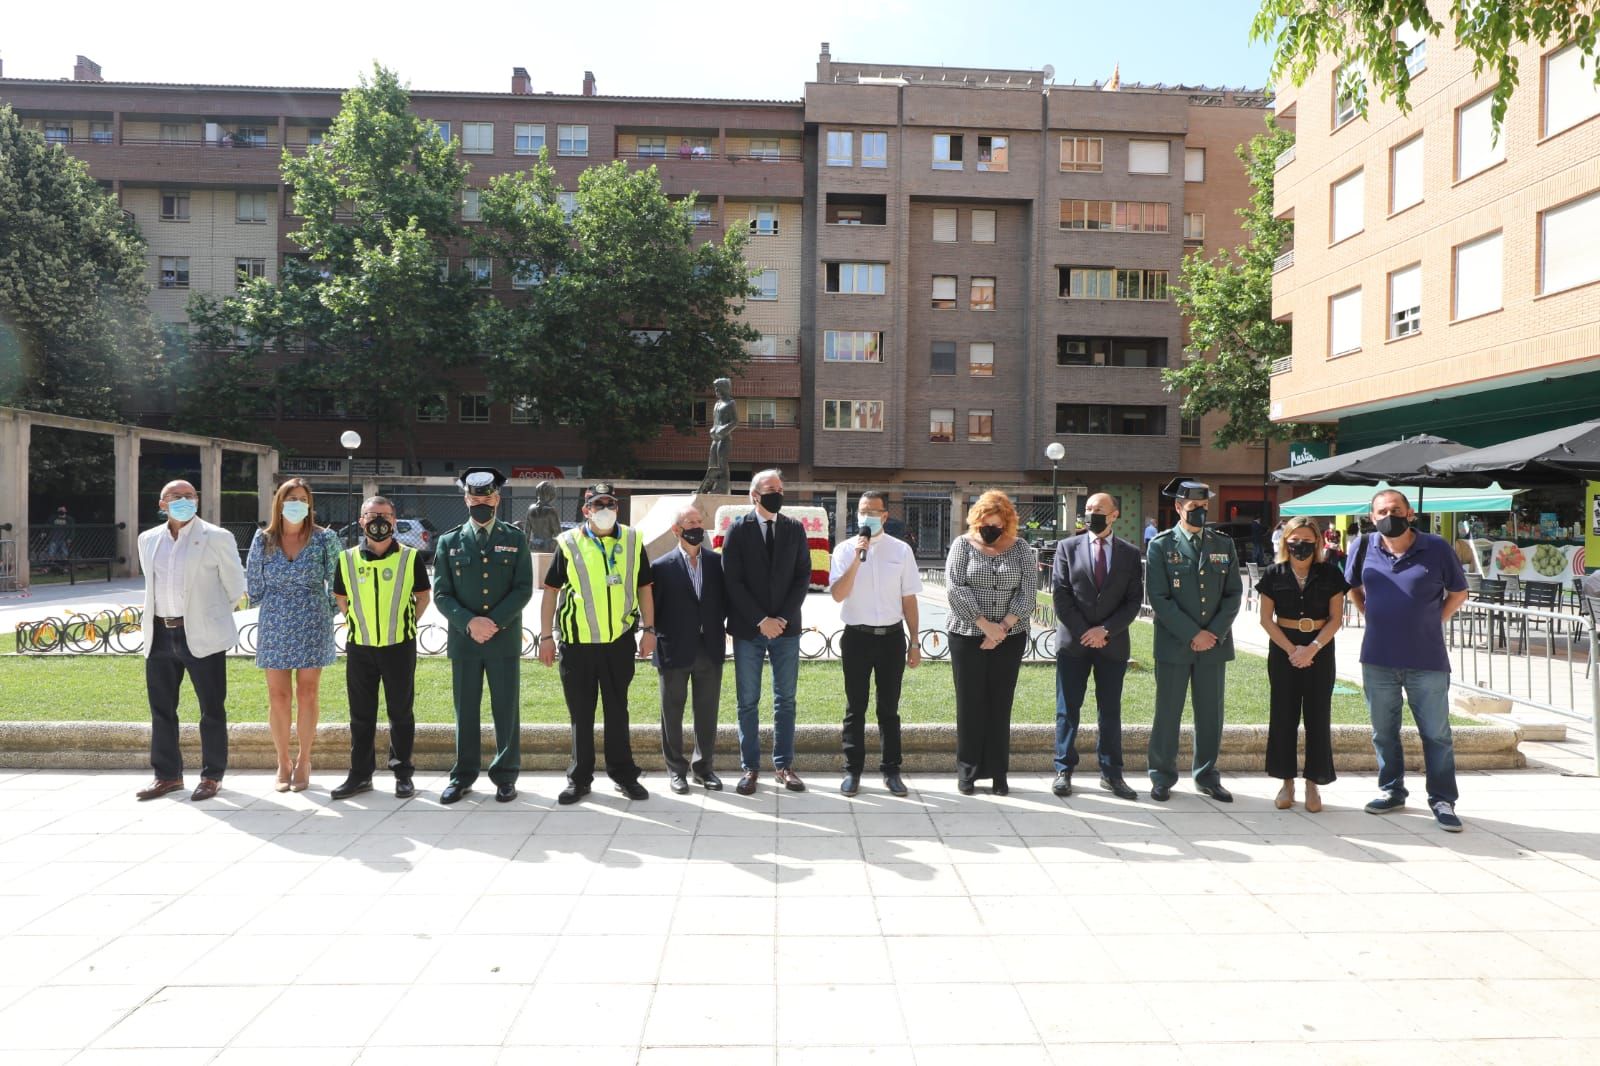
(172, 623)
(1306, 625)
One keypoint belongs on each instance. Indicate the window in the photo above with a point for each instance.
(768, 149)
(1189, 431)
(982, 227)
(1194, 226)
(572, 140)
(1405, 175)
(861, 415)
(874, 149)
(980, 426)
(1347, 82)
(522, 413)
(994, 154)
(175, 133)
(1111, 351)
(1570, 92)
(1107, 283)
(477, 138)
(250, 136)
(246, 269)
(314, 137)
(1114, 215)
(944, 292)
(699, 412)
(443, 263)
(942, 362)
(1349, 200)
(1405, 301)
(480, 268)
(175, 205)
(859, 278)
(841, 148)
(1478, 146)
(942, 425)
(1478, 277)
(100, 133)
(525, 275)
(846, 216)
(944, 224)
(250, 207)
(700, 215)
(1149, 157)
(58, 133)
(1083, 154)
(471, 205)
(569, 204)
(764, 220)
(980, 359)
(947, 151)
(174, 272)
(529, 138)
(652, 147)
(766, 284)
(761, 413)
(1127, 419)
(1194, 164)
(472, 407)
(1344, 323)
(981, 296)
(441, 130)
(1416, 44)
(433, 408)
(1568, 237)
(852, 346)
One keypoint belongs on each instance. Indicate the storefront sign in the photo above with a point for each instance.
(1591, 522)
(1308, 451)
(311, 466)
(547, 472)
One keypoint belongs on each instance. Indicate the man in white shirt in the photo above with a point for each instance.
(193, 582)
(875, 577)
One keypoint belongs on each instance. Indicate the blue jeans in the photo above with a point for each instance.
(748, 656)
(1428, 692)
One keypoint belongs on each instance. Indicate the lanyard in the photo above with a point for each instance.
(607, 558)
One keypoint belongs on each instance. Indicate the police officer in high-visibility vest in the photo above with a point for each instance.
(599, 585)
(382, 587)
(482, 579)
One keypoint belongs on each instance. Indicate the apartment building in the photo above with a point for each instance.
(197, 167)
(1444, 278)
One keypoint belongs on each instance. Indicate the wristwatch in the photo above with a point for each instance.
(1316, 642)
(648, 629)
(546, 636)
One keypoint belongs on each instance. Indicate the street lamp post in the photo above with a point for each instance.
(1055, 452)
(352, 442)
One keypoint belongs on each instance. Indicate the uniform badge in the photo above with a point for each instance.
(505, 547)
(1174, 557)
(613, 579)
(1177, 582)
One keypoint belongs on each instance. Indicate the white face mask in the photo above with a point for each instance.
(604, 519)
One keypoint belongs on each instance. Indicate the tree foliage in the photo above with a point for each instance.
(1233, 340)
(624, 320)
(1361, 36)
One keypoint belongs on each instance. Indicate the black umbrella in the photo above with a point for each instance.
(1557, 455)
(1404, 460)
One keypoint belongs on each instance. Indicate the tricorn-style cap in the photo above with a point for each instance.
(1183, 488)
(481, 480)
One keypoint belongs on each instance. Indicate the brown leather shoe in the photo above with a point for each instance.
(207, 788)
(158, 787)
(791, 780)
(747, 784)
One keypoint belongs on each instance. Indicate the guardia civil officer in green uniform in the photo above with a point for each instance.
(1193, 583)
(482, 579)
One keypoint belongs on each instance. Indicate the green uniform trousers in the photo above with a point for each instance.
(505, 703)
(1173, 682)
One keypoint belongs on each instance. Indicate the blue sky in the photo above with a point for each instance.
(707, 48)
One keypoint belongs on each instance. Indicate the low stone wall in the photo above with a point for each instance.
(927, 747)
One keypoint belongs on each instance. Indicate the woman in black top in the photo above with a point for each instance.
(1302, 606)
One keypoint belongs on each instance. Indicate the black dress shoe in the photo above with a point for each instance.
(453, 792)
(404, 788)
(747, 783)
(505, 793)
(892, 782)
(1215, 791)
(1063, 784)
(678, 783)
(851, 783)
(711, 781)
(632, 789)
(351, 788)
(1118, 788)
(965, 787)
(1161, 793)
(1000, 788)
(572, 794)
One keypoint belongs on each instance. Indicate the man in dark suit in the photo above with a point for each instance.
(767, 566)
(691, 620)
(1098, 583)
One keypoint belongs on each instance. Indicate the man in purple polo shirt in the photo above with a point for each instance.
(1407, 583)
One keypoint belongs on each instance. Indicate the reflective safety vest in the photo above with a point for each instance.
(600, 600)
(379, 592)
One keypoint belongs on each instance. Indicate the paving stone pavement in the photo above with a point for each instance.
(795, 929)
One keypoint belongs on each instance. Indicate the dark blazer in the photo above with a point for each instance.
(759, 587)
(495, 583)
(686, 622)
(1081, 607)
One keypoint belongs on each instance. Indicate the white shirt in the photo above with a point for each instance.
(696, 569)
(171, 585)
(888, 574)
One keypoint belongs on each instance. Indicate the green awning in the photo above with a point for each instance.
(1357, 499)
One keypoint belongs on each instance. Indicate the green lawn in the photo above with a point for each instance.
(111, 688)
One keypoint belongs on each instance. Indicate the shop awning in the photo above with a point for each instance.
(1357, 499)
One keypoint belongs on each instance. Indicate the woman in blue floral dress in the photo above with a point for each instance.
(289, 575)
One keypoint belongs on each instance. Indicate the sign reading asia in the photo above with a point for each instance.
(1302, 452)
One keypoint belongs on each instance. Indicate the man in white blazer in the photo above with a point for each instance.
(193, 582)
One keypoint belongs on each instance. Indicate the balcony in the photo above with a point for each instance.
(768, 443)
(1281, 365)
(1284, 158)
(1283, 262)
(745, 175)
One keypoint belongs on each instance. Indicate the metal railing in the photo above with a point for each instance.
(68, 549)
(1284, 261)
(1285, 157)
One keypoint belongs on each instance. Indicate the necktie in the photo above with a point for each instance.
(769, 536)
(1099, 563)
(483, 538)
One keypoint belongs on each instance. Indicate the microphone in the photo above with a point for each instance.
(861, 555)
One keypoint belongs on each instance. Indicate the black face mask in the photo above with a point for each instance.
(772, 502)
(693, 536)
(1196, 517)
(1302, 549)
(990, 534)
(1098, 523)
(481, 512)
(1392, 525)
(379, 528)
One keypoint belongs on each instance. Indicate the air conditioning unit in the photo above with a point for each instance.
(1075, 348)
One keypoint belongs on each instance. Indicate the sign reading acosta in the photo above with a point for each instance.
(1303, 452)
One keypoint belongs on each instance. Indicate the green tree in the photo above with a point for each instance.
(1233, 340)
(1361, 38)
(76, 335)
(624, 321)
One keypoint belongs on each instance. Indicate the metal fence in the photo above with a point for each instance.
(67, 549)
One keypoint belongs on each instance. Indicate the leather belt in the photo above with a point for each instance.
(1304, 625)
(877, 631)
(171, 623)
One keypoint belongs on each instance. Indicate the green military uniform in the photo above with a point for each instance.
(489, 577)
(1193, 584)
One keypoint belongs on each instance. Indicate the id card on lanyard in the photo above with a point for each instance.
(613, 579)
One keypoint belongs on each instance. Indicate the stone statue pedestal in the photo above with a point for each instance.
(653, 516)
